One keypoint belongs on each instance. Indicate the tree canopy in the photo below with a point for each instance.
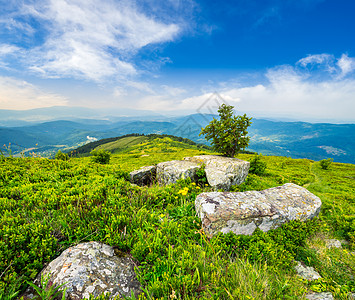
(228, 135)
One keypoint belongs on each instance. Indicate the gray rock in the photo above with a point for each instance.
(320, 296)
(222, 172)
(143, 176)
(243, 212)
(306, 272)
(171, 171)
(351, 296)
(91, 268)
(332, 243)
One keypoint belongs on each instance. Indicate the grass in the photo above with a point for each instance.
(49, 205)
(121, 144)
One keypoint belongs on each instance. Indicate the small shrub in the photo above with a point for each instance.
(61, 156)
(257, 166)
(325, 163)
(201, 176)
(100, 156)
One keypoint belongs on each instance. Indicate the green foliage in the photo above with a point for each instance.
(257, 166)
(49, 205)
(46, 290)
(228, 135)
(100, 156)
(10, 292)
(61, 156)
(325, 163)
(201, 176)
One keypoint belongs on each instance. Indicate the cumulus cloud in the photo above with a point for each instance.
(20, 95)
(87, 39)
(285, 91)
(289, 92)
(338, 67)
(346, 65)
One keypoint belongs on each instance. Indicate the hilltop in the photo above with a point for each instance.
(48, 205)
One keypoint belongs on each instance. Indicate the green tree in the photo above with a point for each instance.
(100, 156)
(228, 135)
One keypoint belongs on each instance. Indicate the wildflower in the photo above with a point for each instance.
(193, 183)
(183, 191)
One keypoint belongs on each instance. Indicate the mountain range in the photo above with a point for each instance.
(45, 131)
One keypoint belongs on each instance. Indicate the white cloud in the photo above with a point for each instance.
(339, 68)
(20, 95)
(316, 59)
(293, 94)
(346, 64)
(91, 40)
(286, 91)
(6, 49)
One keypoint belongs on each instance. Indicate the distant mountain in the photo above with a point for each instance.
(293, 139)
(11, 118)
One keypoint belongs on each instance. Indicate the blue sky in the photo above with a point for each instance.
(269, 58)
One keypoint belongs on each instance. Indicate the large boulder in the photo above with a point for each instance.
(91, 269)
(243, 212)
(143, 176)
(171, 171)
(222, 172)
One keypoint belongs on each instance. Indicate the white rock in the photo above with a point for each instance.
(320, 296)
(80, 269)
(222, 172)
(332, 243)
(306, 272)
(243, 212)
(171, 171)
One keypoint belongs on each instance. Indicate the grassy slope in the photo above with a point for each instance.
(121, 144)
(47, 205)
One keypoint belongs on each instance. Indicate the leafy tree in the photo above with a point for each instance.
(100, 156)
(228, 135)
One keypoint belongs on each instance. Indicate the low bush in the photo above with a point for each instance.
(61, 156)
(100, 156)
(325, 163)
(257, 166)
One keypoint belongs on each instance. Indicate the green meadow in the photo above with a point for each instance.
(48, 205)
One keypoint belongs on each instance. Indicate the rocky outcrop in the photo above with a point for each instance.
(143, 176)
(171, 171)
(222, 172)
(91, 269)
(243, 212)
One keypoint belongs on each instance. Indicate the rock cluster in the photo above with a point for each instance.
(91, 269)
(243, 212)
(221, 172)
